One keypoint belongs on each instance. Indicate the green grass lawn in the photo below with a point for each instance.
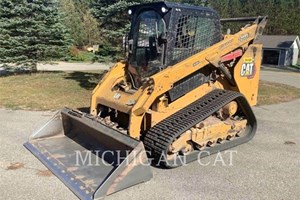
(54, 90)
(47, 91)
(272, 93)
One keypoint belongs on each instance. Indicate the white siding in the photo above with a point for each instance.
(295, 53)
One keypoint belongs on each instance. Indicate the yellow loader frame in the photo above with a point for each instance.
(148, 106)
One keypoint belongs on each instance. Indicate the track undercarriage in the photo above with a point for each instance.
(212, 131)
(220, 120)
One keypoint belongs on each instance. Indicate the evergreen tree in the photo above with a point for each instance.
(283, 16)
(31, 31)
(114, 23)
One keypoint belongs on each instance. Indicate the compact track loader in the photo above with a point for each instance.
(184, 89)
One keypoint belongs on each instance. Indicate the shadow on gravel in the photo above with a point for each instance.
(86, 80)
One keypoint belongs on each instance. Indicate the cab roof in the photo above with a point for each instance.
(171, 5)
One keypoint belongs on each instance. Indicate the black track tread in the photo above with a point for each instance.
(159, 137)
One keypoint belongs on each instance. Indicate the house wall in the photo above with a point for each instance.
(289, 56)
(282, 58)
(295, 53)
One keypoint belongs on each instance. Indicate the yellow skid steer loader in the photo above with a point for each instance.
(185, 88)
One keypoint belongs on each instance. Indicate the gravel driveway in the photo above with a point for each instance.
(267, 167)
(67, 66)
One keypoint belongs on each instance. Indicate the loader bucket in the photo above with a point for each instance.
(90, 158)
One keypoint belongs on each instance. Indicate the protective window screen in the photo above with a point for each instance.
(149, 28)
(193, 34)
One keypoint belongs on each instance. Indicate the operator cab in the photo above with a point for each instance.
(163, 34)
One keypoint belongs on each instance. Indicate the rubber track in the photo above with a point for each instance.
(158, 139)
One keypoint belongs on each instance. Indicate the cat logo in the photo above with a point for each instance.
(248, 68)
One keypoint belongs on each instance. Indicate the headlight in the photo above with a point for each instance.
(163, 9)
